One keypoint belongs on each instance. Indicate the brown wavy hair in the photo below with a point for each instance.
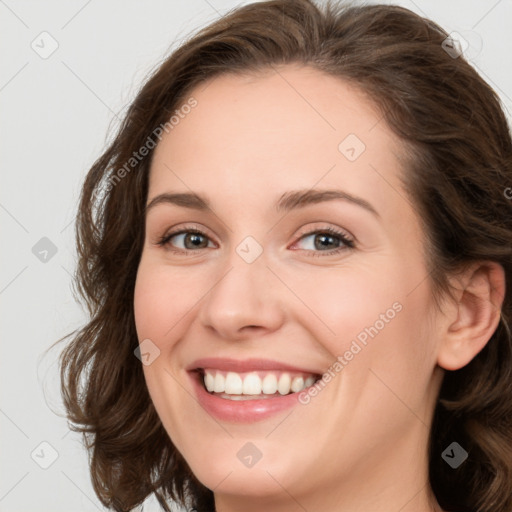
(458, 163)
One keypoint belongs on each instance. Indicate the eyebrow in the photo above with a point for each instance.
(291, 200)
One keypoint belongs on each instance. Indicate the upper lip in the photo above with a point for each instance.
(246, 365)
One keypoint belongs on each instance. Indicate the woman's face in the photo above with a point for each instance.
(271, 294)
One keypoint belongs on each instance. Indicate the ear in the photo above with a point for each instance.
(475, 315)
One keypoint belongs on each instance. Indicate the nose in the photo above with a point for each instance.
(246, 300)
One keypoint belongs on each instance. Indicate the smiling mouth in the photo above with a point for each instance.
(254, 385)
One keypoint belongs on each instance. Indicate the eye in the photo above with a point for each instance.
(324, 242)
(190, 238)
(321, 242)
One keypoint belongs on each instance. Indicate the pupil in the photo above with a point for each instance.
(194, 238)
(325, 240)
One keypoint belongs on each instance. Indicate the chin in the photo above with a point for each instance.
(255, 482)
(217, 466)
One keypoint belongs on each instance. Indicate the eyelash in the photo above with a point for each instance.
(348, 243)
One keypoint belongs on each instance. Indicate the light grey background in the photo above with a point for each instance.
(55, 118)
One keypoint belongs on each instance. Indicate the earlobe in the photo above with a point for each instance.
(476, 314)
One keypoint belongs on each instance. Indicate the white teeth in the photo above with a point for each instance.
(269, 386)
(233, 384)
(297, 384)
(252, 385)
(309, 382)
(219, 383)
(284, 384)
(255, 383)
(209, 382)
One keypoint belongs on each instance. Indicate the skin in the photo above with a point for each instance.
(361, 443)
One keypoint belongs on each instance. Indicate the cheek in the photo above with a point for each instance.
(345, 304)
(162, 299)
(161, 305)
(373, 317)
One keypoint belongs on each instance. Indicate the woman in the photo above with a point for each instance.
(295, 255)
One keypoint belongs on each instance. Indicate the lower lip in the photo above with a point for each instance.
(240, 411)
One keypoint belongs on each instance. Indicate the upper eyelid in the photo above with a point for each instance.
(320, 225)
(337, 231)
(182, 231)
(302, 232)
(186, 228)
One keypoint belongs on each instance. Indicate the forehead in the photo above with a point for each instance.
(285, 127)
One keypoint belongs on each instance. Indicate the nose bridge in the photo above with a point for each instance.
(242, 296)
